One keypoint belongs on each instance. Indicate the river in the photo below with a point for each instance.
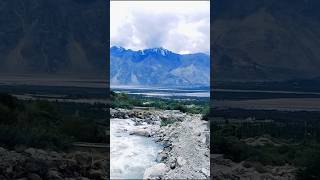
(130, 155)
(172, 93)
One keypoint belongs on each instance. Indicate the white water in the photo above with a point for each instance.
(130, 155)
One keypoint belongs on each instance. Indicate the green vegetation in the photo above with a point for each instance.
(44, 124)
(165, 122)
(269, 138)
(122, 100)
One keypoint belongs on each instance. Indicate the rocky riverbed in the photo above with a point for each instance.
(37, 164)
(227, 169)
(185, 142)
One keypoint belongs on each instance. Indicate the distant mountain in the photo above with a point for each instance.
(265, 40)
(158, 67)
(46, 37)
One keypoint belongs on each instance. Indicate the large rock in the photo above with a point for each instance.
(97, 174)
(33, 176)
(181, 161)
(54, 175)
(140, 132)
(155, 172)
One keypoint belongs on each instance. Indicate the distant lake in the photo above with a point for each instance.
(164, 92)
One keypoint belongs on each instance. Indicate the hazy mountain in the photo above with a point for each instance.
(41, 37)
(158, 66)
(265, 40)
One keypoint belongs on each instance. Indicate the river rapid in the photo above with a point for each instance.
(130, 155)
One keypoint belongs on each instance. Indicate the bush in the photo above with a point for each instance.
(44, 124)
(165, 122)
(83, 130)
(122, 100)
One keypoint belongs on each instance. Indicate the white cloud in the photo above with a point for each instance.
(180, 26)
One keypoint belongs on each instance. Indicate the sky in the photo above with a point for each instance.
(179, 26)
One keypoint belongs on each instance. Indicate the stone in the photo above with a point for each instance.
(9, 169)
(34, 176)
(157, 139)
(54, 175)
(20, 148)
(140, 132)
(206, 172)
(197, 133)
(161, 157)
(30, 151)
(34, 166)
(96, 174)
(155, 172)
(82, 159)
(166, 143)
(181, 161)
(172, 165)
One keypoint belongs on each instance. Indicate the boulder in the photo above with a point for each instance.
(172, 165)
(155, 172)
(197, 133)
(54, 175)
(140, 132)
(181, 161)
(96, 174)
(161, 157)
(206, 139)
(83, 159)
(34, 176)
(206, 172)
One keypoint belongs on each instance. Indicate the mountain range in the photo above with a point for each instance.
(265, 40)
(158, 67)
(45, 37)
(252, 40)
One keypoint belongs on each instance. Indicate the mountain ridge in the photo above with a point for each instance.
(45, 37)
(265, 40)
(158, 66)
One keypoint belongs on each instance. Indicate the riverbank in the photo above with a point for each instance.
(36, 164)
(184, 138)
(52, 140)
(223, 168)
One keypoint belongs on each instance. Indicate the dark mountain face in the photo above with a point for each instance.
(265, 40)
(158, 67)
(53, 37)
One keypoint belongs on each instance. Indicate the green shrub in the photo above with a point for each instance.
(122, 100)
(44, 124)
(83, 130)
(165, 122)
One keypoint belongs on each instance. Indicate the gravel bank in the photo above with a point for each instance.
(37, 164)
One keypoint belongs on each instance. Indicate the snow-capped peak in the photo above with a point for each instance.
(160, 50)
(118, 48)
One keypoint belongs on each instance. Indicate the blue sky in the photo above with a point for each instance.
(180, 26)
